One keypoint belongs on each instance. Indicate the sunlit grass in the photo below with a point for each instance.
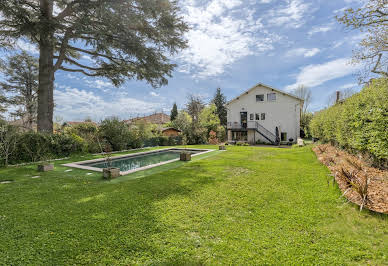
(247, 205)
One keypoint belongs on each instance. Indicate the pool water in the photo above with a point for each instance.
(133, 162)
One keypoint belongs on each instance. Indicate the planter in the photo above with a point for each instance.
(222, 148)
(185, 156)
(110, 173)
(45, 167)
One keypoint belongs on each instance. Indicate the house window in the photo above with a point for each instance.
(257, 116)
(251, 116)
(260, 98)
(283, 136)
(262, 116)
(271, 97)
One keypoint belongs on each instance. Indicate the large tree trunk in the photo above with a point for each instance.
(46, 69)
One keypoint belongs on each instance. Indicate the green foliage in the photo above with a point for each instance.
(174, 112)
(32, 146)
(220, 101)
(116, 133)
(208, 118)
(359, 123)
(8, 141)
(305, 123)
(21, 74)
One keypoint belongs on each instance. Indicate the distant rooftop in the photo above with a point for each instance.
(157, 118)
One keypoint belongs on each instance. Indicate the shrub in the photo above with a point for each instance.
(359, 123)
(213, 138)
(116, 133)
(8, 141)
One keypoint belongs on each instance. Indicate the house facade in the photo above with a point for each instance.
(264, 114)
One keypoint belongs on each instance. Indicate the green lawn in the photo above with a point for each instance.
(247, 205)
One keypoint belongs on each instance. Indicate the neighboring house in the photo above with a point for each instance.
(264, 114)
(74, 123)
(157, 118)
(170, 132)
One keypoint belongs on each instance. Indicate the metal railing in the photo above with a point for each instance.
(234, 125)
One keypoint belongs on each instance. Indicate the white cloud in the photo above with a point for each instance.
(315, 75)
(222, 32)
(303, 52)
(293, 14)
(76, 104)
(26, 46)
(349, 86)
(154, 94)
(322, 28)
(98, 84)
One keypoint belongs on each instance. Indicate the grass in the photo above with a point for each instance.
(248, 205)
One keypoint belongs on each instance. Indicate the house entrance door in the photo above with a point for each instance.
(244, 119)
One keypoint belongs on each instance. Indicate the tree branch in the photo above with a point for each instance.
(68, 10)
(79, 71)
(63, 49)
(374, 70)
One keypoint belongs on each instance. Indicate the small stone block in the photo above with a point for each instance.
(222, 148)
(45, 167)
(110, 173)
(185, 156)
(300, 142)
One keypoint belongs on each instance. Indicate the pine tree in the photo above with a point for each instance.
(220, 101)
(21, 80)
(174, 112)
(125, 40)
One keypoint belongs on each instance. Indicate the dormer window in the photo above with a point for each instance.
(260, 98)
(271, 97)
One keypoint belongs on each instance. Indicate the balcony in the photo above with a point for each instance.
(241, 126)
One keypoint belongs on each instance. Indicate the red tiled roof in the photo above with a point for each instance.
(158, 118)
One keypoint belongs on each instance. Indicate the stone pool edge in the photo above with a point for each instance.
(83, 167)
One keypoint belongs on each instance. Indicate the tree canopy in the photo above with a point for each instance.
(123, 39)
(220, 101)
(372, 18)
(174, 112)
(21, 73)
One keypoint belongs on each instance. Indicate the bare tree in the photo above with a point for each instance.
(304, 93)
(372, 52)
(194, 106)
(343, 94)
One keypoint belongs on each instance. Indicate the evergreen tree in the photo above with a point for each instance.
(21, 74)
(220, 101)
(125, 39)
(174, 112)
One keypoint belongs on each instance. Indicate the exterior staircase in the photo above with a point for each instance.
(268, 135)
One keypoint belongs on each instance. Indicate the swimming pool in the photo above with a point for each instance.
(138, 161)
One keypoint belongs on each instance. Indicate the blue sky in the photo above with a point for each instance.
(233, 44)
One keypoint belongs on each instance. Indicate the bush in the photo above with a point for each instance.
(33, 147)
(359, 123)
(116, 133)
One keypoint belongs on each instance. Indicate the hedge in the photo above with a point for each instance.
(360, 123)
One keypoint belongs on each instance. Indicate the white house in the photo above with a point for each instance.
(264, 114)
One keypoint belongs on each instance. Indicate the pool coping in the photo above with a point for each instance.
(84, 167)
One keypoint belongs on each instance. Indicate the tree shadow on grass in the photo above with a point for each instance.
(95, 223)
